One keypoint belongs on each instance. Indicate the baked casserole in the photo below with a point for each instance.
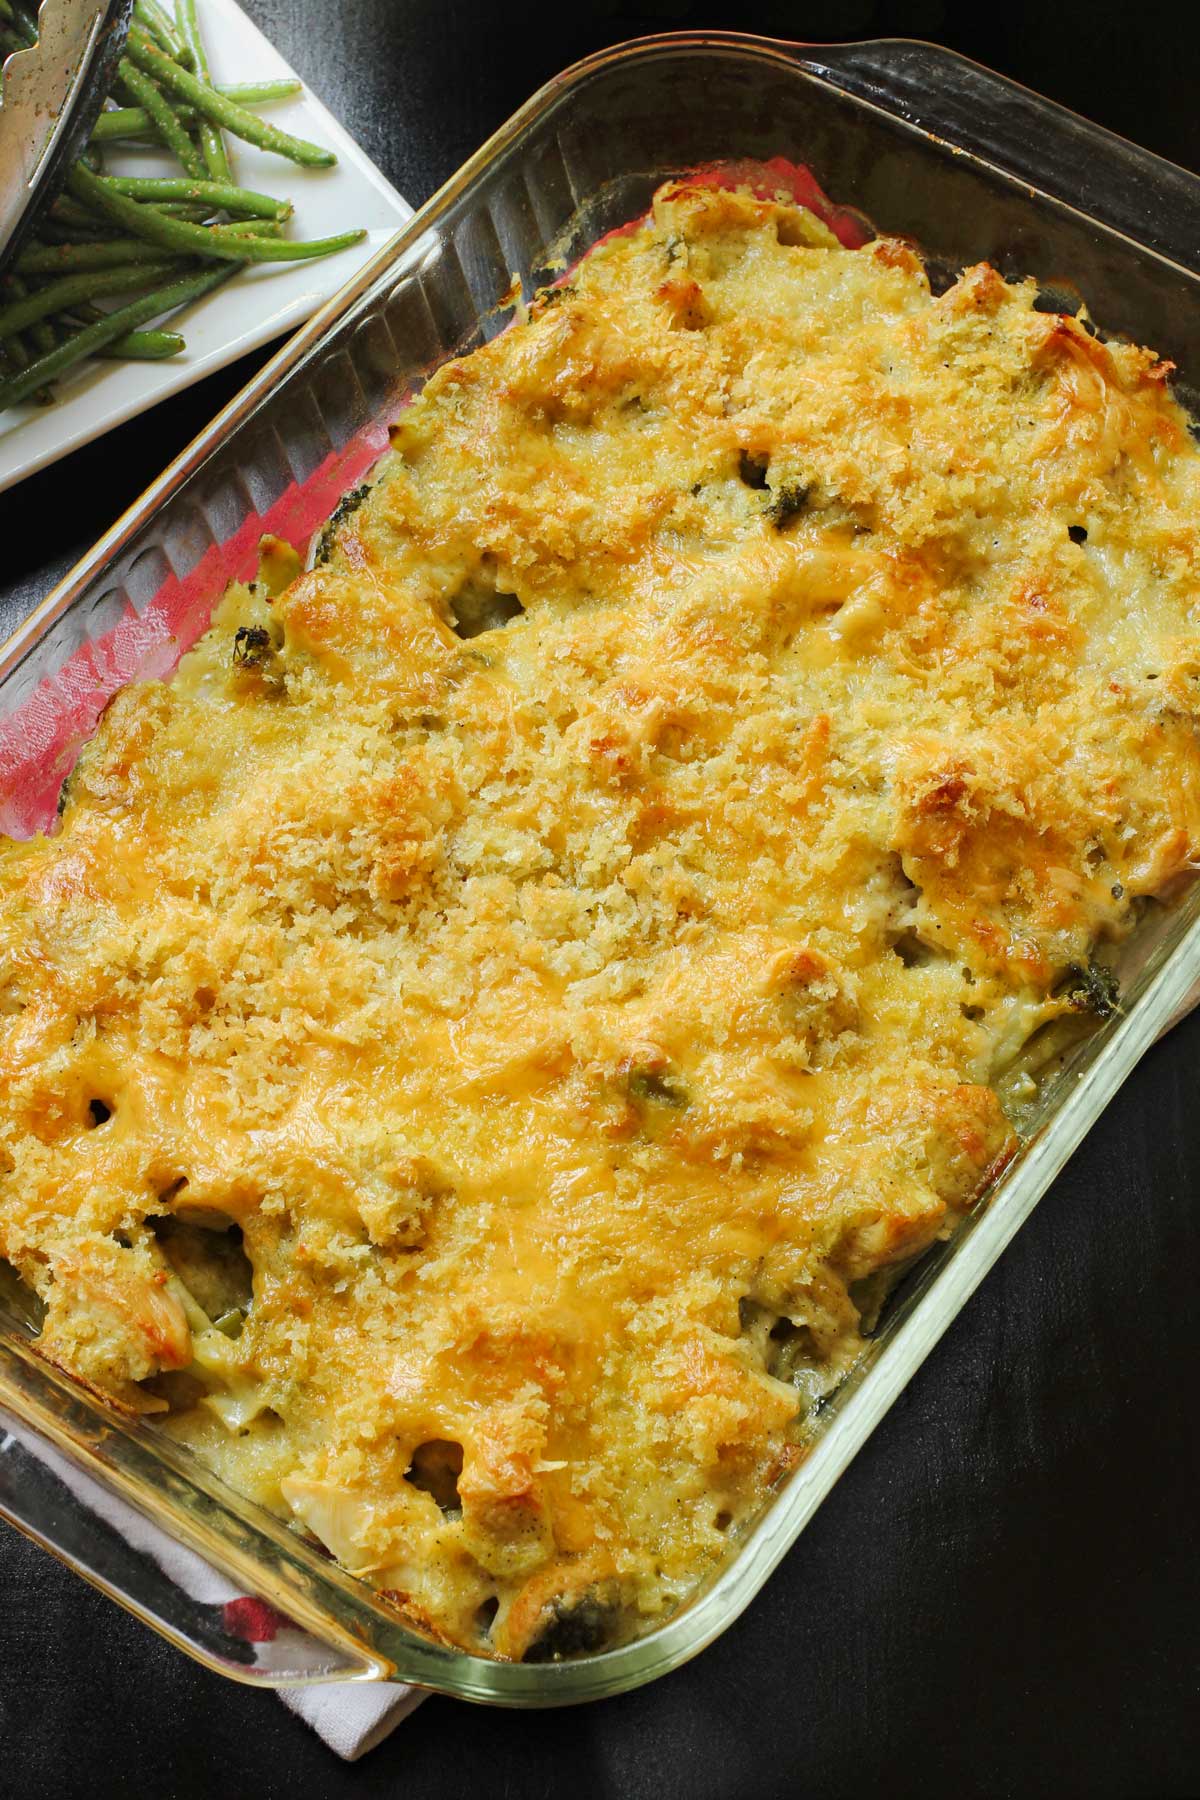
(489, 1029)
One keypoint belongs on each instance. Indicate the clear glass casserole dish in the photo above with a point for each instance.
(921, 143)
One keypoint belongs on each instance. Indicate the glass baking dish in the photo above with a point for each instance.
(921, 143)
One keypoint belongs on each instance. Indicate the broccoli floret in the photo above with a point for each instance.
(251, 646)
(573, 1627)
(648, 1086)
(1092, 988)
(551, 295)
(787, 502)
(349, 503)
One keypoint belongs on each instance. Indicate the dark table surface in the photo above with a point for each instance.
(1001, 1597)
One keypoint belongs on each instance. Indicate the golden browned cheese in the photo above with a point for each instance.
(575, 931)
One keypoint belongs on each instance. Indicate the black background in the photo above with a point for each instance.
(1001, 1597)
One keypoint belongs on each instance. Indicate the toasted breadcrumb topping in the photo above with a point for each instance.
(486, 1027)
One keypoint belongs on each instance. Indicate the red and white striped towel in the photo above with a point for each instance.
(352, 1717)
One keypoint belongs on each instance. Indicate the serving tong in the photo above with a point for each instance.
(50, 97)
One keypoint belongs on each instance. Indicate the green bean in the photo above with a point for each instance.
(185, 209)
(218, 195)
(78, 225)
(131, 344)
(268, 245)
(67, 259)
(221, 111)
(16, 351)
(57, 296)
(212, 144)
(213, 151)
(107, 331)
(198, 240)
(69, 212)
(124, 122)
(41, 258)
(135, 122)
(91, 227)
(145, 346)
(51, 231)
(258, 93)
(148, 94)
(44, 337)
(253, 228)
(161, 27)
(41, 333)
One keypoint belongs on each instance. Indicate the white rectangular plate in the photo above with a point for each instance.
(261, 302)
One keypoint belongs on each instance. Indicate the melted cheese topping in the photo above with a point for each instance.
(573, 933)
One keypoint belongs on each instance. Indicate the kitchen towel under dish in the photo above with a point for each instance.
(352, 1717)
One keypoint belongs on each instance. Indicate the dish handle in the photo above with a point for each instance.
(49, 1496)
(944, 95)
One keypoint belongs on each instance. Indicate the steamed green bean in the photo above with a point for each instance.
(139, 88)
(214, 106)
(212, 143)
(135, 122)
(219, 195)
(106, 331)
(90, 284)
(162, 28)
(197, 240)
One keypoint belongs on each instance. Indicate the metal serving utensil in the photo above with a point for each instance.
(50, 96)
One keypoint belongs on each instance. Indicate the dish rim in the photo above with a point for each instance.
(349, 1614)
